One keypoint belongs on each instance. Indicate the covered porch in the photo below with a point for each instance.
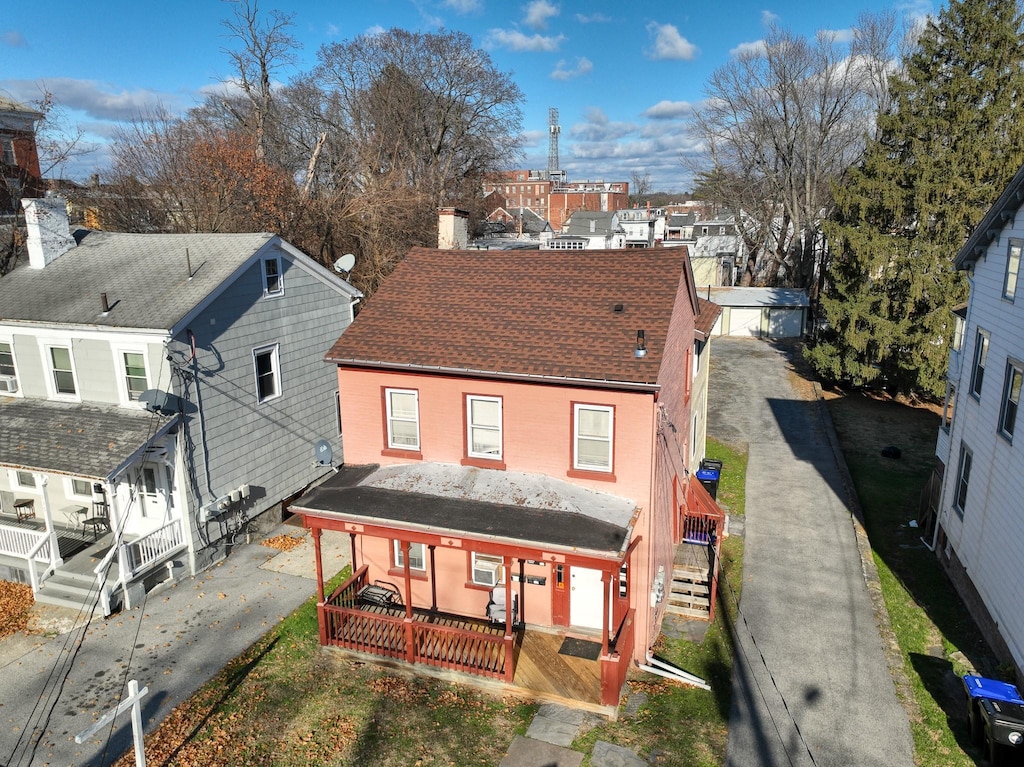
(441, 624)
(85, 498)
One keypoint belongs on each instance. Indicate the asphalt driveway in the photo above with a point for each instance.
(811, 684)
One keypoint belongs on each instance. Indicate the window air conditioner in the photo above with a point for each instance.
(486, 573)
(8, 384)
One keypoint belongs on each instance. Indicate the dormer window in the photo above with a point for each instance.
(273, 281)
(1012, 268)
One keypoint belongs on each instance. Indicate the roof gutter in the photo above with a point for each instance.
(556, 380)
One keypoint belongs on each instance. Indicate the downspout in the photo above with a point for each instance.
(667, 670)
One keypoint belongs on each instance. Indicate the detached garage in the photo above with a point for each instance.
(760, 312)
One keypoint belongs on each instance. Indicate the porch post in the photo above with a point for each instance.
(510, 615)
(606, 582)
(433, 579)
(55, 558)
(410, 635)
(117, 528)
(352, 544)
(319, 563)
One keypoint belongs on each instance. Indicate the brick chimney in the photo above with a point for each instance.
(49, 232)
(452, 229)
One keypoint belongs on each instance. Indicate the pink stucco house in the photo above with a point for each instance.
(521, 431)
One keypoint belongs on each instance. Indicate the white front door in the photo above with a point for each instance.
(152, 489)
(585, 597)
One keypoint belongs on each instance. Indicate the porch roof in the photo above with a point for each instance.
(450, 508)
(87, 441)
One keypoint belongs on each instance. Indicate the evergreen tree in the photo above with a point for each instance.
(940, 157)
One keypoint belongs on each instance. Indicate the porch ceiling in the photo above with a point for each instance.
(344, 497)
(85, 441)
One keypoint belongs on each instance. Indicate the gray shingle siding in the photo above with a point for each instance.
(268, 445)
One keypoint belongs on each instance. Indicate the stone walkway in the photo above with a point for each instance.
(547, 742)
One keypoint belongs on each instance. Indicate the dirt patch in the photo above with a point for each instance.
(284, 542)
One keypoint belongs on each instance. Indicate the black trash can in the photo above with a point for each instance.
(709, 476)
(995, 714)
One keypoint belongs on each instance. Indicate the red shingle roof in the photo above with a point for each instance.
(521, 313)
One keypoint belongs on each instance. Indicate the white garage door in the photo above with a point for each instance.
(785, 323)
(745, 322)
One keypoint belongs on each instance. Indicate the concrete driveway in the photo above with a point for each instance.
(811, 683)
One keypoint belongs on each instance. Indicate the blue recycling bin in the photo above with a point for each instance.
(995, 713)
(709, 478)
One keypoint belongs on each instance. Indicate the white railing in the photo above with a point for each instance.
(144, 551)
(20, 542)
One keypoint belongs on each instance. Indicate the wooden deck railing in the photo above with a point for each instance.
(428, 638)
(144, 551)
(22, 542)
(615, 665)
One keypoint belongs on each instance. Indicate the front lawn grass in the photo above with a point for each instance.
(935, 633)
(287, 702)
(734, 475)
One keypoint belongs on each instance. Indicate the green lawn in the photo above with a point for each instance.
(935, 633)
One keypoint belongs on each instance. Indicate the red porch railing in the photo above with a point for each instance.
(426, 638)
(703, 523)
(615, 665)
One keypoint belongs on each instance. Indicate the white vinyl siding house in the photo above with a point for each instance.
(979, 537)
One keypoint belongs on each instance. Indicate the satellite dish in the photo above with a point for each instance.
(324, 453)
(345, 264)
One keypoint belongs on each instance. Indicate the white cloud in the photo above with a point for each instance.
(13, 38)
(755, 48)
(583, 66)
(463, 6)
(838, 35)
(96, 100)
(768, 18)
(669, 44)
(669, 110)
(517, 41)
(375, 30)
(538, 12)
(593, 18)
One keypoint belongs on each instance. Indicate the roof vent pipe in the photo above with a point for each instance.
(104, 303)
(641, 345)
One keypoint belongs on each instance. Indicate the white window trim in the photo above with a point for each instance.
(980, 359)
(1018, 245)
(388, 417)
(20, 488)
(576, 438)
(267, 292)
(489, 563)
(400, 558)
(17, 372)
(51, 383)
(275, 357)
(122, 373)
(69, 489)
(470, 399)
(965, 453)
(1011, 366)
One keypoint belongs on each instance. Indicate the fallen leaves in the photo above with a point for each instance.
(284, 542)
(16, 601)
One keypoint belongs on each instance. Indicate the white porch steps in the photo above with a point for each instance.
(690, 593)
(68, 589)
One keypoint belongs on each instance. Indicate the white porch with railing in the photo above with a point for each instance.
(135, 558)
(33, 546)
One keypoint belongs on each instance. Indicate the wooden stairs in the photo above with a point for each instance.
(690, 592)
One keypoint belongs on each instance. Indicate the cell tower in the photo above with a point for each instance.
(553, 130)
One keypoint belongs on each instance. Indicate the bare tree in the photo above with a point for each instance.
(640, 184)
(785, 121)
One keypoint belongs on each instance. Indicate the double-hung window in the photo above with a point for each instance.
(8, 373)
(403, 418)
(62, 371)
(417, 560)
(483, 419)
(268, 373)
(593, 427)
(980, 359)
(1011, 398)
(1012, 268)
(963, 478)
(273, 280)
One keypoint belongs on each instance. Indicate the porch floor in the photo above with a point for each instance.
(541, 672)
(70, 540)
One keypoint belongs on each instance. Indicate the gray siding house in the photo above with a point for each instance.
(159, 393)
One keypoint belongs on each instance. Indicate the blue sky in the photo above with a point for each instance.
(623, 75)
